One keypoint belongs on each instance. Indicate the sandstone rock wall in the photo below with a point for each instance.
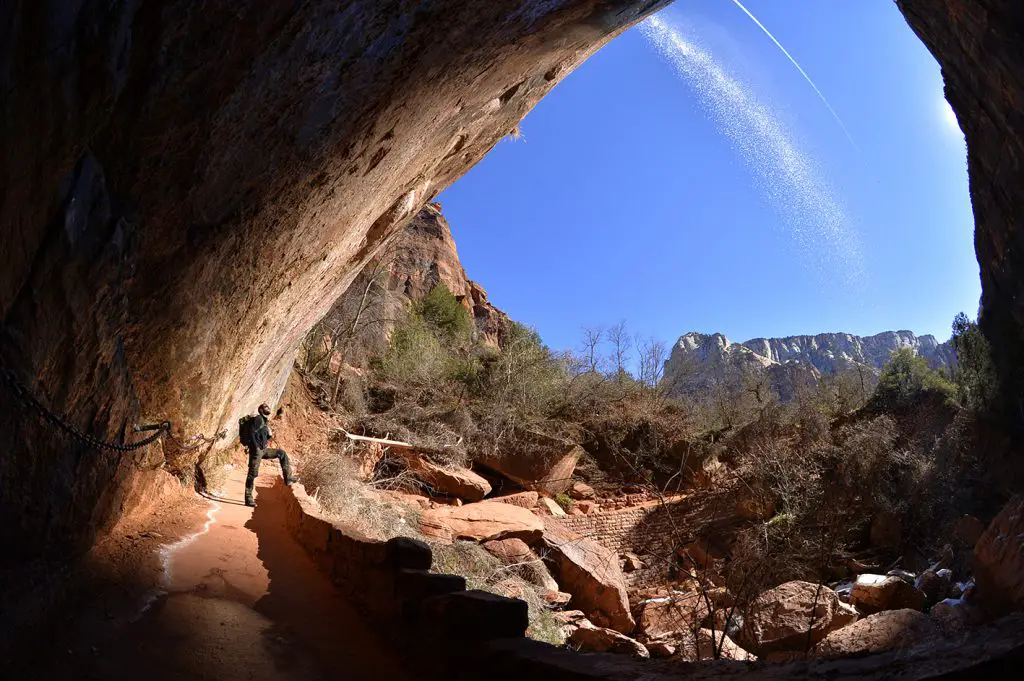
(188, 187)
(421, 256)
(980, 47)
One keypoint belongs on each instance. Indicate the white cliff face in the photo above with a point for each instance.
(698, 360)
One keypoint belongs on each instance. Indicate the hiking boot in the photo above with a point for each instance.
(250, 503)
(291, 480)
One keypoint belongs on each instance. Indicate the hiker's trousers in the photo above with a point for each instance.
(255, 456)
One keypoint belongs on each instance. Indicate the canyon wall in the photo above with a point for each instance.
(980, 46)
(420, 257)
(700, 361)
(188, 187)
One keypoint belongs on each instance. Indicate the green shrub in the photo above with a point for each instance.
(445, 314)
(974, 373)
(415, 356)
(906, 377)
(465, 372)
(565, 501)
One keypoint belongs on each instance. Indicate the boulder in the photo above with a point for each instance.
(591, 639)
(705, 644)
(569, 621)
(631, 562)
(672, 614)
(453, 481)
(725, 619)
(528, 565)
(587, 507)
(873, 593)
(481, 522)
(591, 573)
(875, 633)
(510, 551)
(540, 462)
(556, 599)
(581, 490)
(660, 649)
(999, 561)
(548, 506)
(935, 585)
(526, 499)
(793, 617)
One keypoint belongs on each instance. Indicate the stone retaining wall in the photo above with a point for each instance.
(459, 635)
(652, 527)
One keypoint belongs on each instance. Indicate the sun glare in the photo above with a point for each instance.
(949, 117)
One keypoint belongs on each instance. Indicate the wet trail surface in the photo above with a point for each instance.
(243, 601)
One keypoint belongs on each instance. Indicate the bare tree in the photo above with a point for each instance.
(651, 354)
(618, 337)
(355, 321)
(590, 360)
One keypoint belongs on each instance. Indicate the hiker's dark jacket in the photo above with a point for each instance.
(260, 432)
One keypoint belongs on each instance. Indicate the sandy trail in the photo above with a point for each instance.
(244, 601)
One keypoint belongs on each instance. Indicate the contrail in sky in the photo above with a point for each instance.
(801, 70)
(808, 205)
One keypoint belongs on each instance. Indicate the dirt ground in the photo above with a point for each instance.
(211, 589)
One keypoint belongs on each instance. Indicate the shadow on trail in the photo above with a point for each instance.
(304, 606)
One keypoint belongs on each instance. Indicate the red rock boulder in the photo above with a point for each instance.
(875, 633)
(999, 561)
(461, 483)
(794, 616)
(591, 639)
(540, 462)
(525, 499)
(581, 490)
(705, 644)
(672, 615)
(874, 593)
(481, 522)
(591, 573)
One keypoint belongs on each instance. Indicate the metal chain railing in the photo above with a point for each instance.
(25, 396)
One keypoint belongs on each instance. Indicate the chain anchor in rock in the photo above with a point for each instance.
(32, 403)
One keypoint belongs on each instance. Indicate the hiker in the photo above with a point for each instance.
(255, 433)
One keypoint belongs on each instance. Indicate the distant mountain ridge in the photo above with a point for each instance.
(698, 359)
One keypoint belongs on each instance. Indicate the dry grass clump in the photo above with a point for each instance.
(486, 573)
(333, 481)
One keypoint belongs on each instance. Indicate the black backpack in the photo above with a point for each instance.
(247, 429)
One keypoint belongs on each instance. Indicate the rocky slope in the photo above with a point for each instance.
(698, 360)
(420, 257)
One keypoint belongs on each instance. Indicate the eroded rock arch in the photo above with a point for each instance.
(187, 188)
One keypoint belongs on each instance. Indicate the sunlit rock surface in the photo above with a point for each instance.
(188, 187)
(698, 360)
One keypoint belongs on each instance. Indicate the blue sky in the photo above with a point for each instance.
(688, 178)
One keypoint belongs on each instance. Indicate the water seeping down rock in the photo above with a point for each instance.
(187, 187)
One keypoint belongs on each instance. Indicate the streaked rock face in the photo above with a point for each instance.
(188, 187)
(698, 360)
(980, 47)
(421, 256)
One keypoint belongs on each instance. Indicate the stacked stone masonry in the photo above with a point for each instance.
(654, 527)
